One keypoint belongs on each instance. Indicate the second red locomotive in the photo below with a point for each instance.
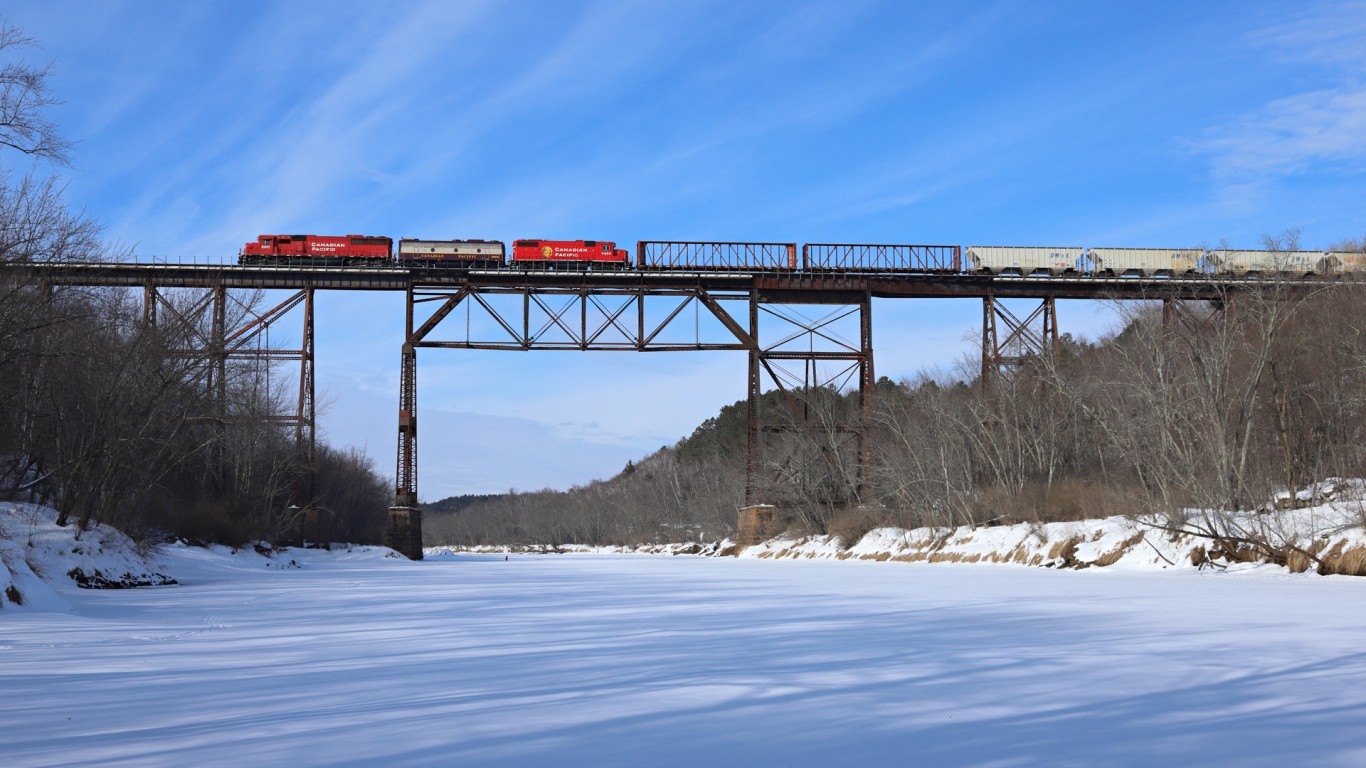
(569, 254)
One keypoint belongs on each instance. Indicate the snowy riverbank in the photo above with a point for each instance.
(1330, 538)
(36, 555)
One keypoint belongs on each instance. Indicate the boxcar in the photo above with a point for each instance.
(452, 254)
(568, 254)
(318, 250)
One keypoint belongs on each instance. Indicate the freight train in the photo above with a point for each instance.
(596, 255)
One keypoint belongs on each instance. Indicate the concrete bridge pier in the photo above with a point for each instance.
(757, 523)
(404, 532)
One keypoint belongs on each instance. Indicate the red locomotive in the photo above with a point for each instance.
(323, 250)
(569, 254)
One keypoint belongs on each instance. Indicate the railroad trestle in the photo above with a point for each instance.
(803, 333)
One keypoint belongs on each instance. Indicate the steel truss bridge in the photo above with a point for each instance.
(766, 313)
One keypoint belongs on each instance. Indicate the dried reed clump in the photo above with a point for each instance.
(1114, 555)
(1020, 554)
(1342, 561)
(1199, 556)
(1297, 561)
(1063, 554)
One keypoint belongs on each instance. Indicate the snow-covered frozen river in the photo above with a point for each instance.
(639, 660)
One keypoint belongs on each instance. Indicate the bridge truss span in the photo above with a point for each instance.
(604, 318)
(791, 349)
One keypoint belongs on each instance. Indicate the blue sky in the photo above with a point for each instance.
(203, 124)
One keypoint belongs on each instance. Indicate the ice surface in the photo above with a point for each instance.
(316, 658)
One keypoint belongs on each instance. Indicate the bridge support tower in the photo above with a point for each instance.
(1009, 340)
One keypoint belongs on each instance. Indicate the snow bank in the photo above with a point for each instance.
(1328, 537)
(39, 559)
(36, 553)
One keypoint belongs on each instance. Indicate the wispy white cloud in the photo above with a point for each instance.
(1320, 130)
(297, 159)
(1330, 33)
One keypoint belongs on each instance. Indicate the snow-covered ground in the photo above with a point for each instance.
(355, 658)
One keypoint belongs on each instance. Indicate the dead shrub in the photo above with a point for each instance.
(1063, 501)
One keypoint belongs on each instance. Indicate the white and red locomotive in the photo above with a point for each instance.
(465, 254)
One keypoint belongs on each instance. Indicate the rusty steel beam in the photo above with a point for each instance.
(753, 414)
(573, 347)
(218, 353)
(867, 394)
(150, 299)
(406, 475)
(675, 255)
(305, 433)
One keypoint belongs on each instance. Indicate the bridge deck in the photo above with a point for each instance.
(777, 286)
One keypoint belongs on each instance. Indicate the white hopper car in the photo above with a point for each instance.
(1025, 260)
(1144, 261)
(1271, 262)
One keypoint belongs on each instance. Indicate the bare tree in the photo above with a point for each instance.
(24, 100)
